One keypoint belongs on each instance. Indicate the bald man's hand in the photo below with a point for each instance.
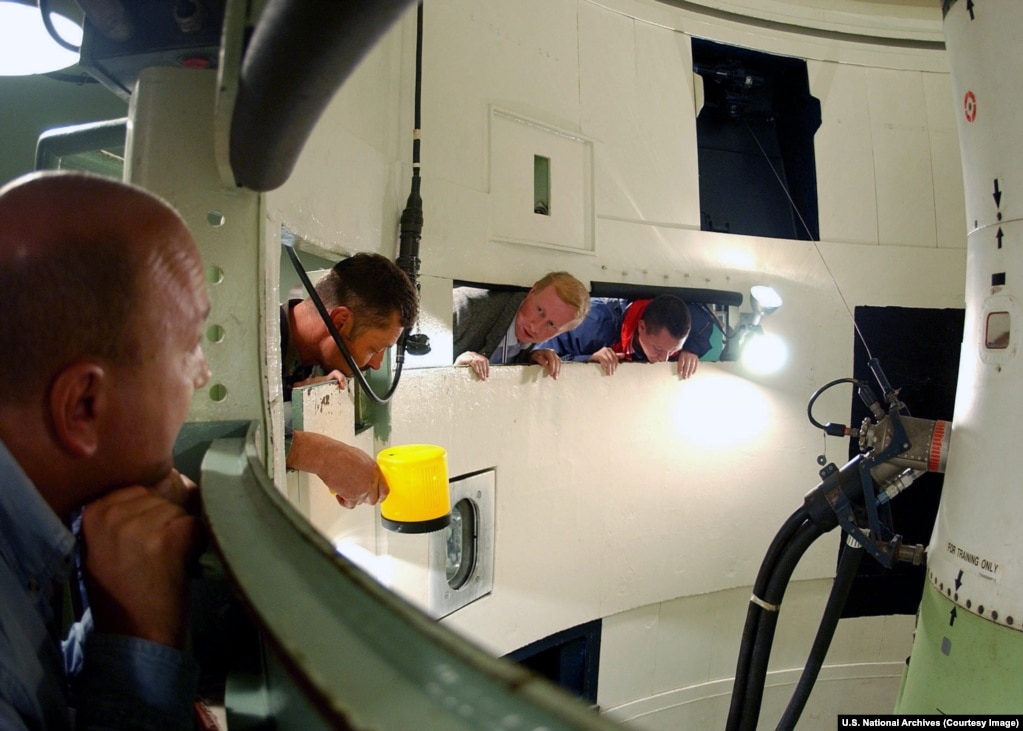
(138, 543)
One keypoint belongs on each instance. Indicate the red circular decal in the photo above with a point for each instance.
(970, 106)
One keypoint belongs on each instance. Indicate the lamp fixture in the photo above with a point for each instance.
(27, 47)
(420, 496)
(765, 301)
(760, 352)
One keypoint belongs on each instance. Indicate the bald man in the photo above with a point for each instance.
(104, 305)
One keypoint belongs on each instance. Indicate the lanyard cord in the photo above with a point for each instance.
(809, 234)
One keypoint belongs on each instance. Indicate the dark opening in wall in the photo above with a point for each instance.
(570, 658)
(918, 350)
(755, 142)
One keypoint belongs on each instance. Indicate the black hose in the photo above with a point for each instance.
(848, 565)
(411, 222)
(753, 614)
(787, 561)
(300, 53)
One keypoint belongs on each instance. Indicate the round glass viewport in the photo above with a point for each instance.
(461, 543)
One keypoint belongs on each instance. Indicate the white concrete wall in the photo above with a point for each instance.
(639, 498)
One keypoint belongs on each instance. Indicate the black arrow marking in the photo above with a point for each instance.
(999, 237)
(969, 8)
(952, 617)
(959, 580)
(998, 195)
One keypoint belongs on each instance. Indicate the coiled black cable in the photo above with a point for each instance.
(818, 393)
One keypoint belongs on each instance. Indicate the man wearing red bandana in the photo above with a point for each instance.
(645, 331)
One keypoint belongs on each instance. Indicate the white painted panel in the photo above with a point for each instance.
(324, 409)
(892, 275)
(669, 174)
(607, 90)
(671, 666)
(628, 640)
(637, 100)
(619, 78)
(345, 194)
(435, 322)
(515, 142)
(598, 483)
(520, 55)
(905, 19)
(846, 198)
(743, 30)
(902, 158)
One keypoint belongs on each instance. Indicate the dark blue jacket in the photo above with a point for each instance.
(603, 328)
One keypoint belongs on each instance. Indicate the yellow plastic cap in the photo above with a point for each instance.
(419, 500)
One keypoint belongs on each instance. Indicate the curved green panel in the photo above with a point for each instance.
(961, 663)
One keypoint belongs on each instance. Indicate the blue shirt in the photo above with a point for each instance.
(602, 328)
(117, 682)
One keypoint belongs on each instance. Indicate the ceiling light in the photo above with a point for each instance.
(25, 45)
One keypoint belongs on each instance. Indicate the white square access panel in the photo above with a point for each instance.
(442, 571)
(541, 184)
(461, 557)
